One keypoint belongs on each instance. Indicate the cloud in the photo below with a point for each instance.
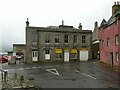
(48, 13)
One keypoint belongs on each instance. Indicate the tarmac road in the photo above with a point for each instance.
(67, 75)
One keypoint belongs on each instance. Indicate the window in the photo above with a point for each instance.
(47, 40)
(47, 51)
(117, 57)
(34, 38)
(116, 40)
(103, 43)
(34, 54)
(75, 39)
(57, 39)
(108, 41)
(83, 38)
(66, 38)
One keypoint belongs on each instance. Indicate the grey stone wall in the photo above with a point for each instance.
(41, 45)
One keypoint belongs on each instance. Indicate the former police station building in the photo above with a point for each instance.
(56, 43)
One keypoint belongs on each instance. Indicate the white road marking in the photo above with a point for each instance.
(77, 71)
(51, 71)
(34, 67)
(89, 75)
(86, 74)
(6, 70)
(20, 68)
(27, 68)
(11, 69)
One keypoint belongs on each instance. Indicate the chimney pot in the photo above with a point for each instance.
(80, 26)
(62, 22)
(115, 3)
(27, 23)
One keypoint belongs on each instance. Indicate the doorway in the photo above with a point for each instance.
(111, 58)
(66, 56)
(34, 56)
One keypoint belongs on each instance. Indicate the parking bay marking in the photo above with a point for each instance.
(54, 71)
(85, 74)
(27, 68)
(20, 68)
(34, 67)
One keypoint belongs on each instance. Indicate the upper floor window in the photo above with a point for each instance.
(34, 38)
(103, 43)
(83, 38)
(66, 38)
(108, 41)
(116, 40)
(57, 39)
(75, 39)
(47, 38)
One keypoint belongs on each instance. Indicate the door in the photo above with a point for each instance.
(34, 56)
(111, 58)
(83, 55)
(66, 56)
(47, 54)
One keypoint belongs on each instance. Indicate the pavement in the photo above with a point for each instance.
(14, 81)
(114, 68)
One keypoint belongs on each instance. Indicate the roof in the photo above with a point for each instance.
(68, 29)
(103, 22)
(65, 26)
(19, 44)
(111, 20)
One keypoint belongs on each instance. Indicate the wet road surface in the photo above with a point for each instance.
(67, 75)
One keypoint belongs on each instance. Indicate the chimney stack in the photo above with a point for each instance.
(96, 25)
(27, 23)
(80, 26)
(62, 23)
(115, 7)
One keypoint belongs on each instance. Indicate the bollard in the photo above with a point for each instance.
(21, 80)
(5, 76)
(2, 76)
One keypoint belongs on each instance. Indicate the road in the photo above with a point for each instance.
(67, 75)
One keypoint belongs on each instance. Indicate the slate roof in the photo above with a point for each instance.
(111, 20)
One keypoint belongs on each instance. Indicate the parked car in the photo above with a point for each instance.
(4, 59)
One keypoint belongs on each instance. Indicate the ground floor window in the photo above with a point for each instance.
(74, 53)
(58, 53)
(74, 56)
(58, 56)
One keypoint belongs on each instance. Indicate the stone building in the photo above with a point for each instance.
(20, 49)
(57, 43)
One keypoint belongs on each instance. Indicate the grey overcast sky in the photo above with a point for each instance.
(13, 15)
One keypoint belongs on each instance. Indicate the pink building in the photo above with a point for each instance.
(109, 36)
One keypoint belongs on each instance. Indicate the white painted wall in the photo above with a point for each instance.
(66, 56)
(83, 55)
